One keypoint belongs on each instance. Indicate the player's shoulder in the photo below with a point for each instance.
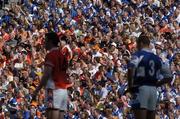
(155, 56)
(149, 52)
(53, 52)
(146, 53)
(139, 54)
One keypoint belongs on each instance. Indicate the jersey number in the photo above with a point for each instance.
(152, 68)
(151, 71)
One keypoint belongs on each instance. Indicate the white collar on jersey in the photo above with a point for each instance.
(52, 49)
(55, 48)
(147, 50)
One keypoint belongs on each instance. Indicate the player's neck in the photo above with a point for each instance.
(145, 47)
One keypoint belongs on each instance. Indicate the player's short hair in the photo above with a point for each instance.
(144, 39)
(53, 37)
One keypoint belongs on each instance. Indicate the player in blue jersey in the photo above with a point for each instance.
(145, 73)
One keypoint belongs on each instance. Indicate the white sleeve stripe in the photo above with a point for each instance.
(135, 60)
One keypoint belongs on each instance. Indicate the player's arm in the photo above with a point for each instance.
(46, 75)
(166, 75)
(131, 70)
(130, 77)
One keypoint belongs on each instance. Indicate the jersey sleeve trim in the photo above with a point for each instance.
(134, 61)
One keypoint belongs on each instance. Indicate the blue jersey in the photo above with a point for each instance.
(147, 67)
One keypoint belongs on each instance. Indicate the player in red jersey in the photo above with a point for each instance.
(55, 78)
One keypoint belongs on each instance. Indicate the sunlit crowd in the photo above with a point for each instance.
(101, 37)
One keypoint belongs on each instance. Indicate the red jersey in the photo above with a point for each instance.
(59, 63)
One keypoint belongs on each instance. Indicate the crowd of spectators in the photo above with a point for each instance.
(101, 36)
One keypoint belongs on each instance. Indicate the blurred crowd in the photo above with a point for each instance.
(101, 36)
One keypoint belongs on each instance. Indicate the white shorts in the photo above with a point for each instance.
(145, 98)
(56, 99)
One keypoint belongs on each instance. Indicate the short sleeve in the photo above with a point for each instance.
(49, 60)
(133, 62)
